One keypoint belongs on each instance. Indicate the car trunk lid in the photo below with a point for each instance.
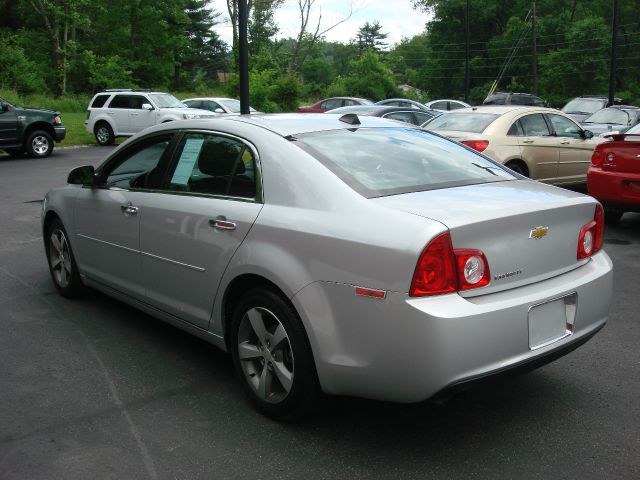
(528, 231)
(622, 155)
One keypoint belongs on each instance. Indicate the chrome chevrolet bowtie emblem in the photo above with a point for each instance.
(539, 232)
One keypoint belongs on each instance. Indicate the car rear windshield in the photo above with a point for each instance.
(462, 122)
(377, 162)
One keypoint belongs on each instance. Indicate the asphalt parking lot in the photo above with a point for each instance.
(94, 389)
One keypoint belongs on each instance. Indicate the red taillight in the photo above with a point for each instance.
(591, 235)
(441, 269)
(478, 145)
(436, 269)
(596, 158)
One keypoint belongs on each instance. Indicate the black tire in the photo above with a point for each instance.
(39, 144)
(263, 365)
(62, 264)
(104, 134)
(14, 152)
(612, 215)
(518, 167)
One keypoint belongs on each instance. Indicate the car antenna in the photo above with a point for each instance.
(350, 118)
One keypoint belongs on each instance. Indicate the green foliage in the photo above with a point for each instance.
(99, 73)
(370, 37)
(369, 78)
(285, 92)
(17, 72)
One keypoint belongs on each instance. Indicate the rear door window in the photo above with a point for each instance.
(214, 165)
(120, 101)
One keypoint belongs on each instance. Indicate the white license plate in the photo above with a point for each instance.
(550, 321)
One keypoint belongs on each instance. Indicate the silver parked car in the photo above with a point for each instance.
(339, 254)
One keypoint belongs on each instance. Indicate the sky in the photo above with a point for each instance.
(397, 18)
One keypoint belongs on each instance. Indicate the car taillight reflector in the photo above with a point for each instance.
(443, 269)
(473, 268)
(591, 235)
(478, 145)
(596, 157)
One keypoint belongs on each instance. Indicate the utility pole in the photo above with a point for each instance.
(467, 73)
(534, 61)
(243, 50)
(614, 48)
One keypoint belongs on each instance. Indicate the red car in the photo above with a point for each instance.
(614, 175)
(334, 102)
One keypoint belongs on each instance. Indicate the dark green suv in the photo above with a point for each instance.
(29, 129)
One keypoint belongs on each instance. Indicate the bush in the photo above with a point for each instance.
(16, 71)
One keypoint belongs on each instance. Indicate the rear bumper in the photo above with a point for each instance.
(60, 133)
(409, 349)
(615, 188)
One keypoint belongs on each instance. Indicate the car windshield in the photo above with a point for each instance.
(613, 116)
(377, 162)
(234, 105)
(462, 122)
(635, 129)
(164, 100)
(584, 105)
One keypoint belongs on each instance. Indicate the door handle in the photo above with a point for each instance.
(222, 223)
(527, 141)
(565, 143)
(129, 210)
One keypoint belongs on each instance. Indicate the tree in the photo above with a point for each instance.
(204, 53)
(369, 78)
(60, 20)
(370, 37)
(305, 40)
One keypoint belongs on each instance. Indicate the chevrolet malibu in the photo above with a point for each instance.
(335, 254)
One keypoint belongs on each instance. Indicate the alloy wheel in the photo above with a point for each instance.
(60, 258)
(265, 355)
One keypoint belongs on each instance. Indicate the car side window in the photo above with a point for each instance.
(137, 167)
(564, 127)
(521, 100)
(534, 125)
(402, 116)
(99, 101)
(213, 106)
(120, 101)
(422, 117)
(348, 103)
(515, 130)
(136, 102)
(214, 165)
(439, 106)
(324, 104)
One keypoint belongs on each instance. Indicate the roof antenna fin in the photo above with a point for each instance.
(350, 118)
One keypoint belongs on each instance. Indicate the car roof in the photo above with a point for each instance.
(372, 109)
(208, 98)
(499, 109)
(284, 124)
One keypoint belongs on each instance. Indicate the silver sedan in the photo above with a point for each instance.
(336, 254)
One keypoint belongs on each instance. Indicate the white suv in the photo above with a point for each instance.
(123, 112)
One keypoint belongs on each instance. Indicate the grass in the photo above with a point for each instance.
(76, 132)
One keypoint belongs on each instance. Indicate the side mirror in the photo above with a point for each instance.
(85, 176)
(587, 134)
(147, 106)
(219, 110)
